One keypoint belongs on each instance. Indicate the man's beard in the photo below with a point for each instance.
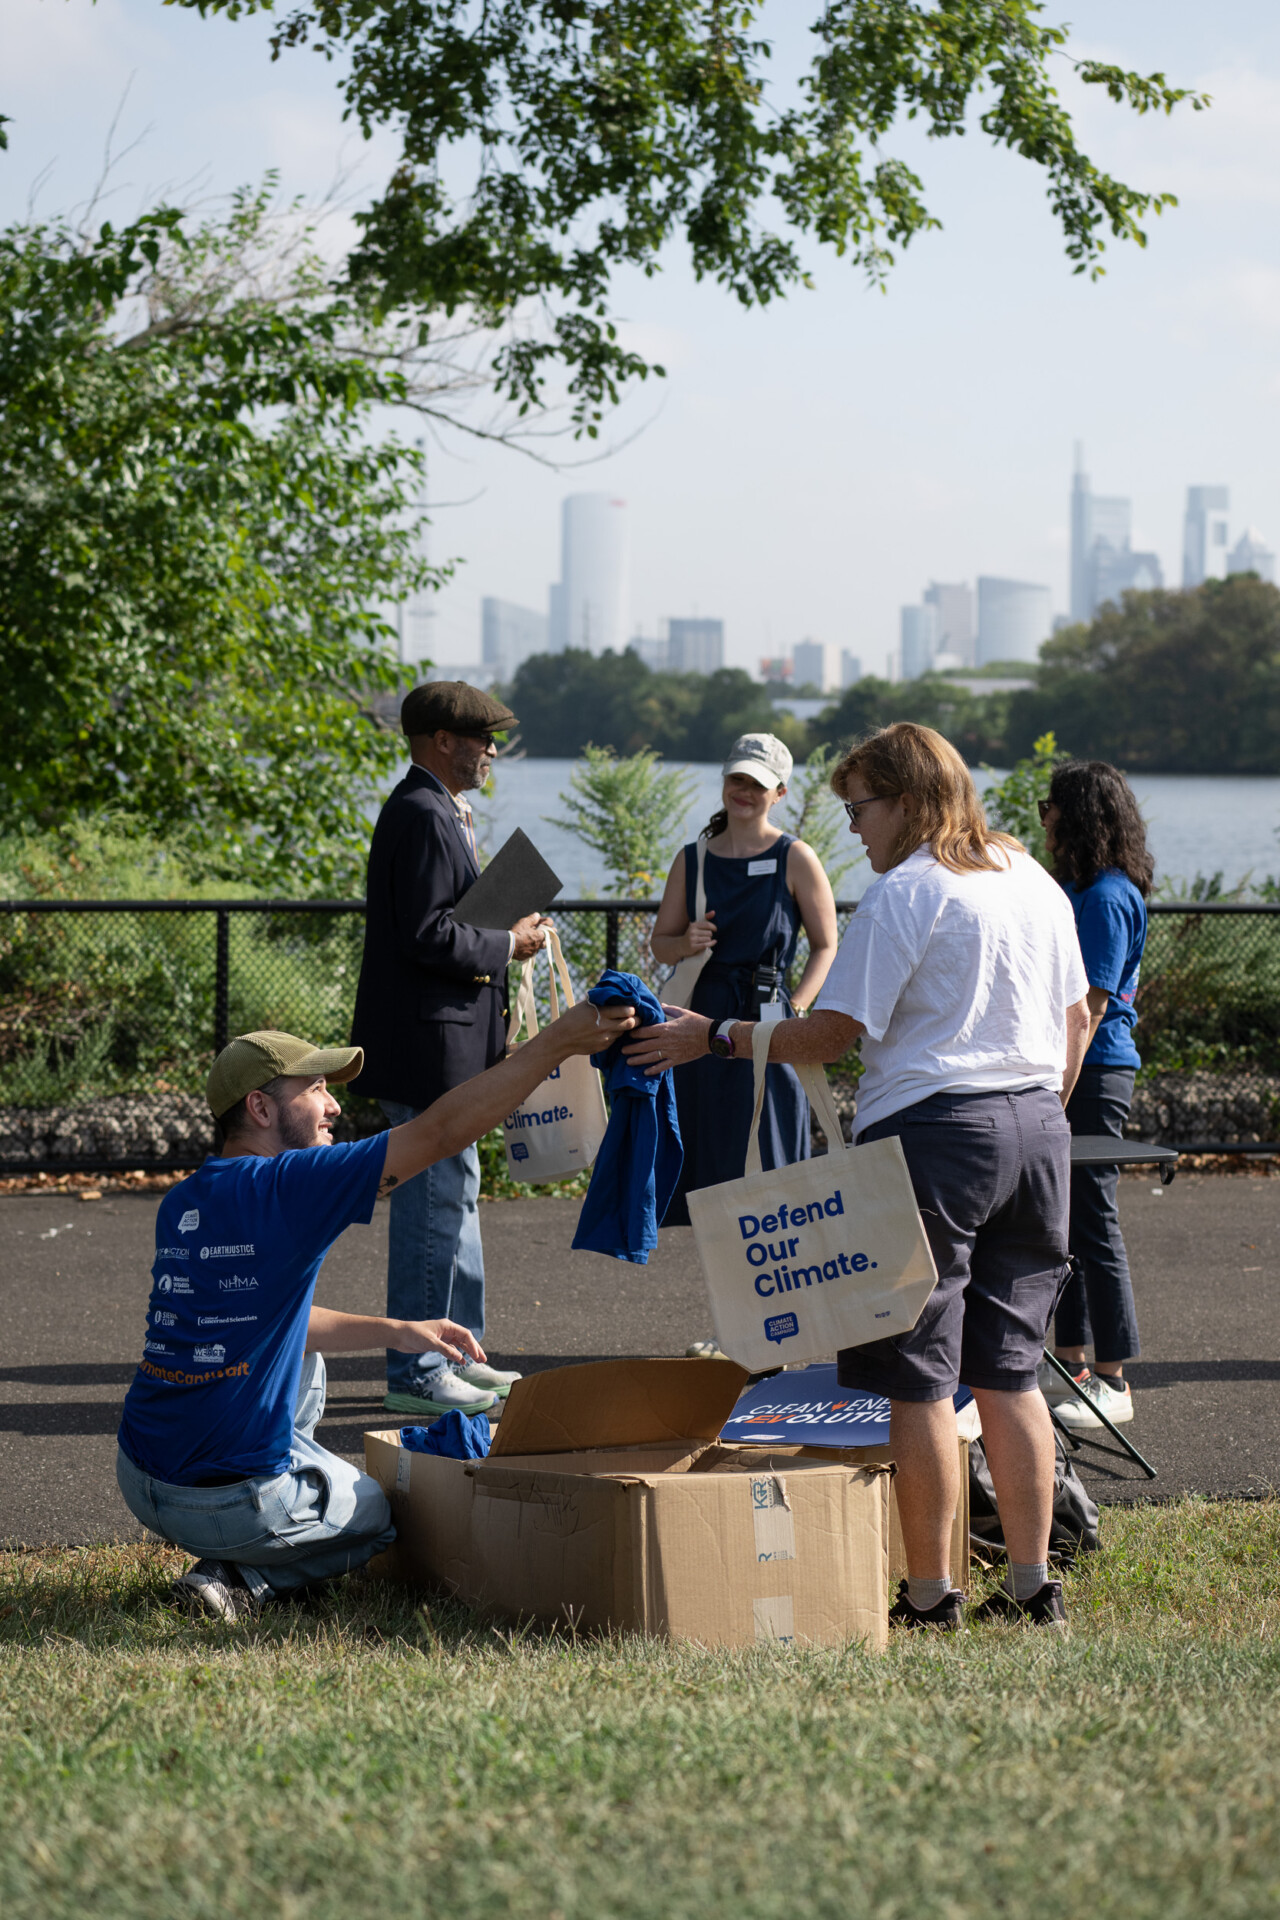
(296, 1131)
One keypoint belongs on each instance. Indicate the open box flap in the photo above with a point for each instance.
(618, 1403)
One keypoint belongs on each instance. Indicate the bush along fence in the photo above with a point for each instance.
(111, 1012)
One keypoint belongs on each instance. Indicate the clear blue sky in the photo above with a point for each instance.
(808, 469)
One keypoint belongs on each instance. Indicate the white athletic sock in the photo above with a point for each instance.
(1022, 1582)
(926, 1593)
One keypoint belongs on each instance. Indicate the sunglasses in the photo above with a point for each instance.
(854, 807)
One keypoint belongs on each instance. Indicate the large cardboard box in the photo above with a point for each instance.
(607, 1503)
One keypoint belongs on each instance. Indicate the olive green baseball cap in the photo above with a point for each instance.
(256, 1059)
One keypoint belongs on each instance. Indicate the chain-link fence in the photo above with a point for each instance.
(111, 1012)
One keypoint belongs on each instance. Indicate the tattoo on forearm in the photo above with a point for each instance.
(386, 1183)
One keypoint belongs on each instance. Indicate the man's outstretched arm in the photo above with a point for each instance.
(331, 1332)
(462, 1115)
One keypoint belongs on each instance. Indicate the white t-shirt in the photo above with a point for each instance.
(962, 981)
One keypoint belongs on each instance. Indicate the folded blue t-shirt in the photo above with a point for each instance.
(458, 1435)
(639, 1161)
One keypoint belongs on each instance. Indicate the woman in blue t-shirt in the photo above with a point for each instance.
(1097, 841)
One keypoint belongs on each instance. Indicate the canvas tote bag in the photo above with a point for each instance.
(678, 990)
(557, 1131)
(807, 1259)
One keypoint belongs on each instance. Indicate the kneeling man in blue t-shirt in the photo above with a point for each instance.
(217, 1444)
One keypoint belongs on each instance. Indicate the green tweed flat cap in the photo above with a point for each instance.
(452, 706)
(256, 1059)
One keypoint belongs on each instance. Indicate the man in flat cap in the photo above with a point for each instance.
(217, 1447)
(431, 1011)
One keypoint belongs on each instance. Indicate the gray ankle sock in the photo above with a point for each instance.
(926, 1593)
(1022, 1582)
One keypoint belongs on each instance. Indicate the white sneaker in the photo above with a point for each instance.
(434, 1391)
(1053, 1386)
(488, 1379)
(1118, 1406)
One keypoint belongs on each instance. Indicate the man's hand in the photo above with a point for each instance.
(529, 935)
(466, 1112)
(682, 1037)
(435, 1336)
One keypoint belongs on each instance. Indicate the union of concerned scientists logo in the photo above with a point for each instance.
(226, 1319)
(190, 1220)
(245, 1248)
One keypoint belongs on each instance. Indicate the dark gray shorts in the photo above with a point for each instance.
(992, 1176)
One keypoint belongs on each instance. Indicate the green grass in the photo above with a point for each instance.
(367, 1755)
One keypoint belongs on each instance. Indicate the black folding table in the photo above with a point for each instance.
(1104, 1150)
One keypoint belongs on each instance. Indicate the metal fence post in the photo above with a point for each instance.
(222, 982)
(611, 918)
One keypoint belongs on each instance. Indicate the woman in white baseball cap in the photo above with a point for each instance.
(735, 902)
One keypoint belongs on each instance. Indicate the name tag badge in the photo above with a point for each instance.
(771, 1010)
(761, 866)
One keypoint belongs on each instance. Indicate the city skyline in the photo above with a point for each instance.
(804, 470)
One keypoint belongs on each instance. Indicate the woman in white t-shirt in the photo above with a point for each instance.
(960, 974)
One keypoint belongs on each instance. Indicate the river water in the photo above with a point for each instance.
(1197, 824)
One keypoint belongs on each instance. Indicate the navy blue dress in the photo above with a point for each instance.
(757, 923)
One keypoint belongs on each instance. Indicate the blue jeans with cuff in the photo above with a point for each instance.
(435, 1262)
(1097, 1302)
(321, 1518)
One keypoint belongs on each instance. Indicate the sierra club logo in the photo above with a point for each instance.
(240, 1252)
(160, 1318)
(790, 1223)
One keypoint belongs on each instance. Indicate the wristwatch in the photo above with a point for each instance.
(720, 1042)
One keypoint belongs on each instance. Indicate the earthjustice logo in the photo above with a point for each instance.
(243, 1250)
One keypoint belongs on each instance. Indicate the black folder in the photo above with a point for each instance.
(517, 881)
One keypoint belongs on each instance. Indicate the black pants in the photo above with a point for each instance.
(1098, 1304)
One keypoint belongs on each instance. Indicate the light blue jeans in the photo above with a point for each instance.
(435, 1262)
(321, 1518)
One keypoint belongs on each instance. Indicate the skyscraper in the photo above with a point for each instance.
(1103, 562)
(918, 633)
(589, 602)
(509, 634)
(1251, 554)
(816, 663)
(850, 668)
(1014, 618)
(1204, 535)
(695, 646)
(954, 608)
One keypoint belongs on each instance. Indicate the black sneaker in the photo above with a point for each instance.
(945, 1617)
(1044, 1608)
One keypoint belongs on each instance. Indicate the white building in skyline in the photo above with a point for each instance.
(1251, 554)
(1204, 535)
(1104, 564)
(816, 663)
(589, 601)
(917, 640)
(695, 646)
(1014, 620)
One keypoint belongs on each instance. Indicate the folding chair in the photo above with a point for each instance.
(1104, 1150)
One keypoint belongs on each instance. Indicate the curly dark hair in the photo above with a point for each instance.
(1099, 826)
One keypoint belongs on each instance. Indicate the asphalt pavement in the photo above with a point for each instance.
(74, 1279)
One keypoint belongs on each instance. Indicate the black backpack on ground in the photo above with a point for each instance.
(1075, 1515)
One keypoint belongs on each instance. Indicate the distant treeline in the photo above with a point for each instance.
(1165, 683)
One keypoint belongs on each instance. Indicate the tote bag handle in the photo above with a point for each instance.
(811, 1078)
(678, 990)
(525, 1011)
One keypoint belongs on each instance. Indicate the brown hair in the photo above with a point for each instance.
(1098, 826)
(947, 817)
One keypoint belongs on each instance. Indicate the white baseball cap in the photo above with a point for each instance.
(762, 756)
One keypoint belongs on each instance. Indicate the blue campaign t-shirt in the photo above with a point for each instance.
(1111, 921)
(238, 1248)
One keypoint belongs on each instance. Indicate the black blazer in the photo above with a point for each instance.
(431, 1006)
